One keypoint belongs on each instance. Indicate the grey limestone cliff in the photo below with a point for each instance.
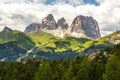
(86, 25)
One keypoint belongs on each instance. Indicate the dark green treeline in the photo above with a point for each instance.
(80, 68)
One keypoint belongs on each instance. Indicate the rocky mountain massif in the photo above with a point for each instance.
(41, 42)
(86, 25)
(81, 26)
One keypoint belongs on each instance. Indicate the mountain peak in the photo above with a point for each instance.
(62, 23)
(32, 27)
(86, 25)
(81, 16)
(49, 22)
(50, 17)
(7, 29)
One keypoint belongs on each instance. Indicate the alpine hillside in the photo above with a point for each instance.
(55, 40)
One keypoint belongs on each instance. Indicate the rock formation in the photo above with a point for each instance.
(49, 23)
(32, 27)
(62, 24)
(6, 29)
(86, 25)
(80, 27)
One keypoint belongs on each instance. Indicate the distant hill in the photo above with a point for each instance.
(13, 44)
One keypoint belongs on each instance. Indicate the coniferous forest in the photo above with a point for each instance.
(80, 68)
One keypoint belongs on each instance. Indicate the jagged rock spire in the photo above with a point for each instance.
(62, 23)
(49, 22)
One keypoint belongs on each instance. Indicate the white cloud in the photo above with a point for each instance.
(18, 16)
(22, 1)
(39, 1)
(100, 1)
(11, 1)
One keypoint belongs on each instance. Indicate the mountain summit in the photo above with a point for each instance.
(49, 22)
(6, 29)
(62, 23)
(32, 27)
(80, 27)
(86, 25)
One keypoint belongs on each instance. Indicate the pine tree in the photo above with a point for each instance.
(83, 73)
(112, 69)
(44, 72)
(69, 74)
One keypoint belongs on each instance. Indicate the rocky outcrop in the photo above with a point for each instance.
(115, 38)
(62, 24)
(49, 23)
(86, 25)
(6, 29)
(62, 27)
(98, 55)
(93, 55)
(32, 27)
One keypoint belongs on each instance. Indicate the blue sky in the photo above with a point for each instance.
(17, 14)
(85, 1)
(94, 2)
(91, 2)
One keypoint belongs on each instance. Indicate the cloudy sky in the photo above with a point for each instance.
(17, 14)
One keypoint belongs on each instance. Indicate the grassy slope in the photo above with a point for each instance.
(42, 39)
(14, 43)
(47, 43)
(20, 38)
(76, 43)
(106, 38)
(46, 39)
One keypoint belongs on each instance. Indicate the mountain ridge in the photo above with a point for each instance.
(81, 26)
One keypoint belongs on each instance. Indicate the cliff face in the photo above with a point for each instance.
(85, 25)
(62, 24)
(81, 26)
(49, 23)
